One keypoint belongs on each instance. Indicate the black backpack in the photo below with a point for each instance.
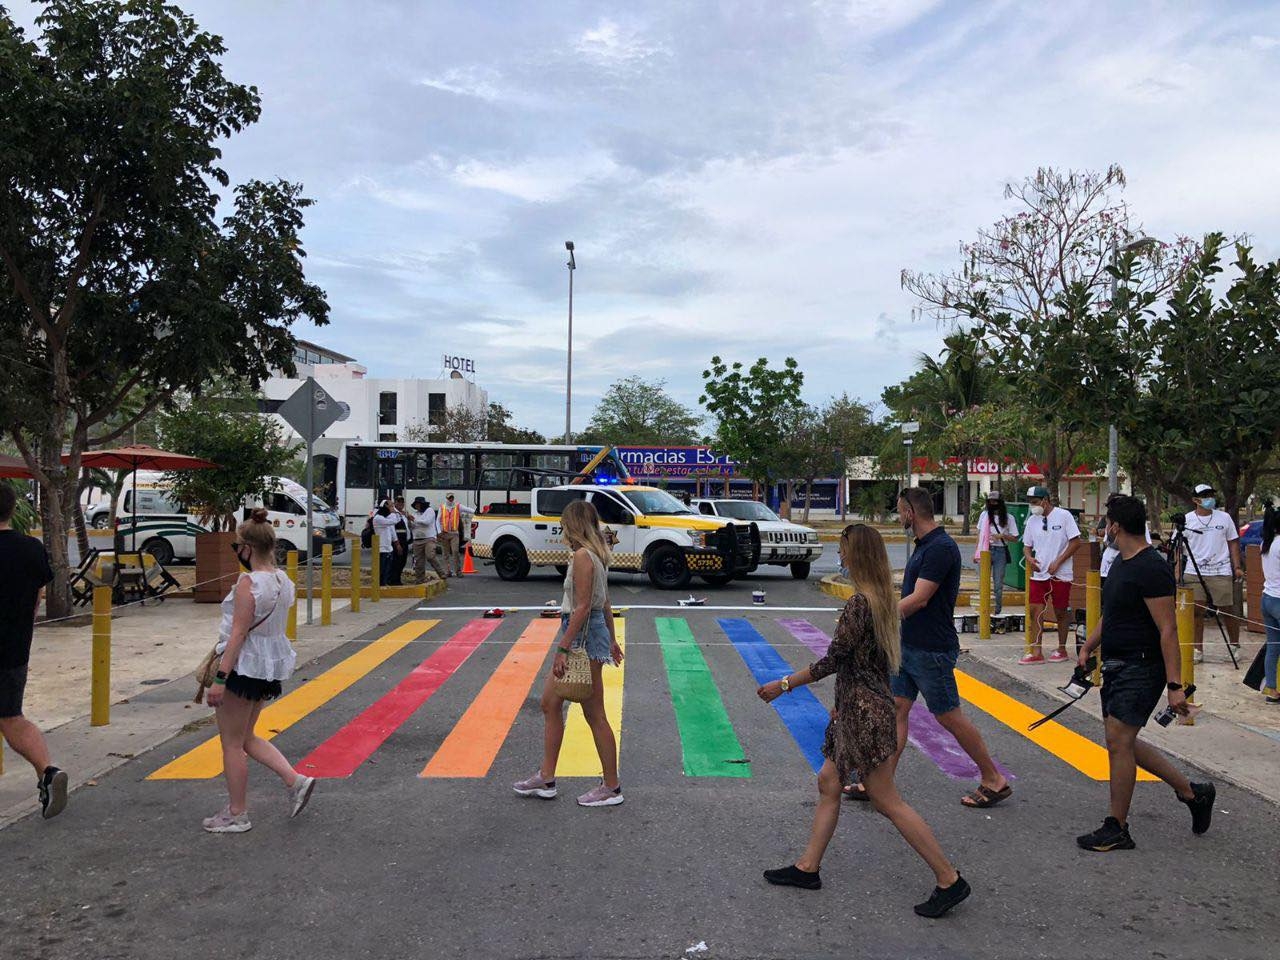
(366, 535)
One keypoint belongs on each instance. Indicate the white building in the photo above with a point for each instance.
(381, 409)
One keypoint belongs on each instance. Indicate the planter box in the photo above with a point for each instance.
(216, 566)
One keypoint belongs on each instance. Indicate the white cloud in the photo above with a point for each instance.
(537, 179)
(610, 44)
(468, 82)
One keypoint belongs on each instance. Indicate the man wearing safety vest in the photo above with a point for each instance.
(450, 536)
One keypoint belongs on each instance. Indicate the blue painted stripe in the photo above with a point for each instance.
(805, 718)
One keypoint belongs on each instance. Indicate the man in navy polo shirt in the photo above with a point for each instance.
(930, 646)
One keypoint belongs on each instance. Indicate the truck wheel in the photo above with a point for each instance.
(161, 549)
(667, 569)
(511, 561)
(800, 570)
(717, 579)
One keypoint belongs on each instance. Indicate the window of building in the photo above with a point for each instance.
(387, 413)
(437, 409)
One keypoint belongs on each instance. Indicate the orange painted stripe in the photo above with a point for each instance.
(474, 741)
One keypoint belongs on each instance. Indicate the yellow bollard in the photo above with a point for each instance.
(326, 585)
(1186, 635)
(375, 570)
(357, 574)
(1092, 614)
(291, 567)
(984, 595)
(1029, 627)
(100, 681)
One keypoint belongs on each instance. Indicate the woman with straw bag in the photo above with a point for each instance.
(584, 644)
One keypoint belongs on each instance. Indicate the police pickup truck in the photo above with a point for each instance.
(782, 543)
(651, 531)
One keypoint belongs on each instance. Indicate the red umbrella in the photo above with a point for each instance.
(139, 456)
(14, 467)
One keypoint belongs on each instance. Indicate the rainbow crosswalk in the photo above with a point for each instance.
(709, 745)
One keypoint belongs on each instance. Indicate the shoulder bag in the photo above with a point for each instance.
(207, 672)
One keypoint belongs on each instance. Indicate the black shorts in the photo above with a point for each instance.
(13, 684)
(251, 688)
(1131, 689)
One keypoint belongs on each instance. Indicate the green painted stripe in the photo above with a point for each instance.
(707, 740)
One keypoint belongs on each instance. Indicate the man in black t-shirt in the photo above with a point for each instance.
(24, 571)
(1141, 663)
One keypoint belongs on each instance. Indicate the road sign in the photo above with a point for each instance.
(311, 410)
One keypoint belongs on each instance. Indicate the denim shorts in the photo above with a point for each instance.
(1131, 689)
(931, 673)
(594, 636)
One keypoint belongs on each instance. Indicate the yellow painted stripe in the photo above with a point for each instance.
(205, 761)
(578, 756)
(1065, 744)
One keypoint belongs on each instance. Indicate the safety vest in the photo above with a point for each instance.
(450, 517)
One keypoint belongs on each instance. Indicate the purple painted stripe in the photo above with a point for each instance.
(926, 734)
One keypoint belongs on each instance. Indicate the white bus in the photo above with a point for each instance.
(478, 474)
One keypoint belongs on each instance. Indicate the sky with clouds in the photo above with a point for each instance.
(740, 178)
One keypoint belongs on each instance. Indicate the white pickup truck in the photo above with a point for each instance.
(652, 533)
(782, 543)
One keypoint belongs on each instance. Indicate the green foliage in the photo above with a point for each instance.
(753, 410)
(638, 412)
(24, 514)
(502, 430)
(247, 447)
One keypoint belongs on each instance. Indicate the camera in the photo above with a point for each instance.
(1081, 682)
(1167, 715)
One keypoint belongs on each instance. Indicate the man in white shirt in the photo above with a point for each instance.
(384, 526)
(1214, 543)
(426, 530)
(1051, 540)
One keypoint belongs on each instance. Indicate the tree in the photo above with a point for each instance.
(464, 425)
(822, 439)
(752, 409)
(502, 430)
(118, 277)
(228, 430)
(638, 412)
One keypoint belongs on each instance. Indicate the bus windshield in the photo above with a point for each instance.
(656, 503)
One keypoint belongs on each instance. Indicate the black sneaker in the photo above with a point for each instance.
(53, 792)
(1201, 806)
(942, 900)
(793, 876)
(1110, 836)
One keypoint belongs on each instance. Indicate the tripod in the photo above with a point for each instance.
(1179, 547)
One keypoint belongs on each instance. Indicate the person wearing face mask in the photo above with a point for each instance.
(1141, 664)
(384, 526)
(930, 646)
(1214, 542)
(450, 536)
(426, 531)
(1109, 550)
(996, 530)
(1051, 540)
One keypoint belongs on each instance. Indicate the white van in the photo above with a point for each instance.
(167, 531)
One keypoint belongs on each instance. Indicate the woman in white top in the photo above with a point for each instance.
(1271, 604)
(256, 657)
(586, 620)
(996, 530)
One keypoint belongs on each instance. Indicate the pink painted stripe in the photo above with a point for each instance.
(926, 734)
(342, 753)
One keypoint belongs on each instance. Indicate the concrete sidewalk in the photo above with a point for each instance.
(152, 646)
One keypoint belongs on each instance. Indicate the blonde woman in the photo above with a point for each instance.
(586, 620)
(863, 735)
(256, 656)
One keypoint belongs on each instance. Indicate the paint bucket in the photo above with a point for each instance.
(757, 597)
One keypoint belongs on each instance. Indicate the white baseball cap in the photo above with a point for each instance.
(1203, 488)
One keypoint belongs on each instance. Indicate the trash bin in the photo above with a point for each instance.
(1015, 574)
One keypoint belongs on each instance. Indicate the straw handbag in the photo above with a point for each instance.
(575, 686)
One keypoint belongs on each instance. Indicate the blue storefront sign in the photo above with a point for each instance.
(654, 463)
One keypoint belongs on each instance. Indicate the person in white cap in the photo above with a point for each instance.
(1051, 540)
(1214, 543)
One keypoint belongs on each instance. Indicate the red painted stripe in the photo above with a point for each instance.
(342, 753)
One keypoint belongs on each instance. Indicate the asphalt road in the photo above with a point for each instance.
(385, 863)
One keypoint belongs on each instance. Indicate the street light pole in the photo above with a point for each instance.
(568, 378)
(1113, 435)
(909, 431)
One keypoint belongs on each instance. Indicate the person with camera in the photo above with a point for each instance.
(1213, 566)
(1141, 663)
(1051, 540)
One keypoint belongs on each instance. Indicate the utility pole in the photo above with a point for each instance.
(568, 377)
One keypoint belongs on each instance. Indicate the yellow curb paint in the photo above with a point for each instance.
(578, 756)
(205, 761)
(1065, 744)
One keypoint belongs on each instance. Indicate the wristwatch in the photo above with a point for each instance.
(1171, 686)
(786, 684)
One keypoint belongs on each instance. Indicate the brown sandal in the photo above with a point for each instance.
(985, 797)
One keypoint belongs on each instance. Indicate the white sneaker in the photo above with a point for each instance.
(227, 822)
(300, 794)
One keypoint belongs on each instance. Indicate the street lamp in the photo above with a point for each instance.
(909, 430)
(568, 377)
(1113, 435)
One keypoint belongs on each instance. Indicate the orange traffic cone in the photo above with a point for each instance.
(468, 565)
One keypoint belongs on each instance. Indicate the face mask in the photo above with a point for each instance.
(1208, 503)
(384, 511)
(1112, 533)
(244, 556)
(908, 523)
(1037, 511)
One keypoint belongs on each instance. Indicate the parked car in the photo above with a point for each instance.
(782, 543)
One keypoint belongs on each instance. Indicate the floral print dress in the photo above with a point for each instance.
(863, 731)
